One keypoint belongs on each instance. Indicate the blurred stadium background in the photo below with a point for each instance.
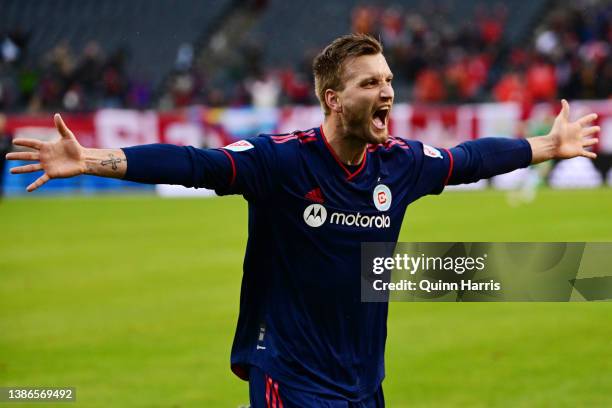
(133, 299)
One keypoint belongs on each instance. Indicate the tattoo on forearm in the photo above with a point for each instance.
(113, 161)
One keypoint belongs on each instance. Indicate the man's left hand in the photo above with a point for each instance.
(566, 139)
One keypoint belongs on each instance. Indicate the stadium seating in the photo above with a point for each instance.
(152, 30)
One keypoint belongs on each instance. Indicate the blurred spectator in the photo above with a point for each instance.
(264, 91)
(184, 57)
(10, 51)
(13, 46)
(296, 87)
(511, 88)
(114, 80)
(364, 18)
(139, 95)
(392, 28)
(86, 78)
(183, 90)
(541, 81)
(491, 23)
(429, 87)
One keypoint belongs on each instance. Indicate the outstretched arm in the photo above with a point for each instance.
(65, 157)
(488, 157)
(153, 164)
(251, 173)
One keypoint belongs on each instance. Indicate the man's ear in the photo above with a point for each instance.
(332, 99)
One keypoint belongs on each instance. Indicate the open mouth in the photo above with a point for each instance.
(380, 117)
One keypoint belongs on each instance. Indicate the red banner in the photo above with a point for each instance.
(442, 126)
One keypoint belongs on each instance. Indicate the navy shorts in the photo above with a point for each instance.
(265, 392)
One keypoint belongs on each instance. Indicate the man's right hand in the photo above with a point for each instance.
(65, 157)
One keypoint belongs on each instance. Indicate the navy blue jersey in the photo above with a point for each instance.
(301, 317)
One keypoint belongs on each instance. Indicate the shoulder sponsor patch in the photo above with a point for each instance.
(431, 152)
(239, 146)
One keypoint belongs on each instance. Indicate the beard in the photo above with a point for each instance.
(358, 124)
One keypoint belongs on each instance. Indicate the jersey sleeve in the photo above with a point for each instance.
(466, 163)
(488, 157)
(253, 165)
(432, 168)
(246, 167)
(182, 165)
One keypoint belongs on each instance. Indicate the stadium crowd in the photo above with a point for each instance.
(570, 58)
(62, 80)
(442, 59)
(437, 59)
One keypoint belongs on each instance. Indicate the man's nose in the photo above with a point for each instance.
(387, 92)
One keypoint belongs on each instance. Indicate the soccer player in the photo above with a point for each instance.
(304, 338)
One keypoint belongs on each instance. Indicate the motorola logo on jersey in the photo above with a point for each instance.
(382, 197)
(358, 220)
(315, 215)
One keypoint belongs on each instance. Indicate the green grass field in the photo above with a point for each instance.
(133, 301)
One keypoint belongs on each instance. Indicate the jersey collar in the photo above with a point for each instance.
(349, 175)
